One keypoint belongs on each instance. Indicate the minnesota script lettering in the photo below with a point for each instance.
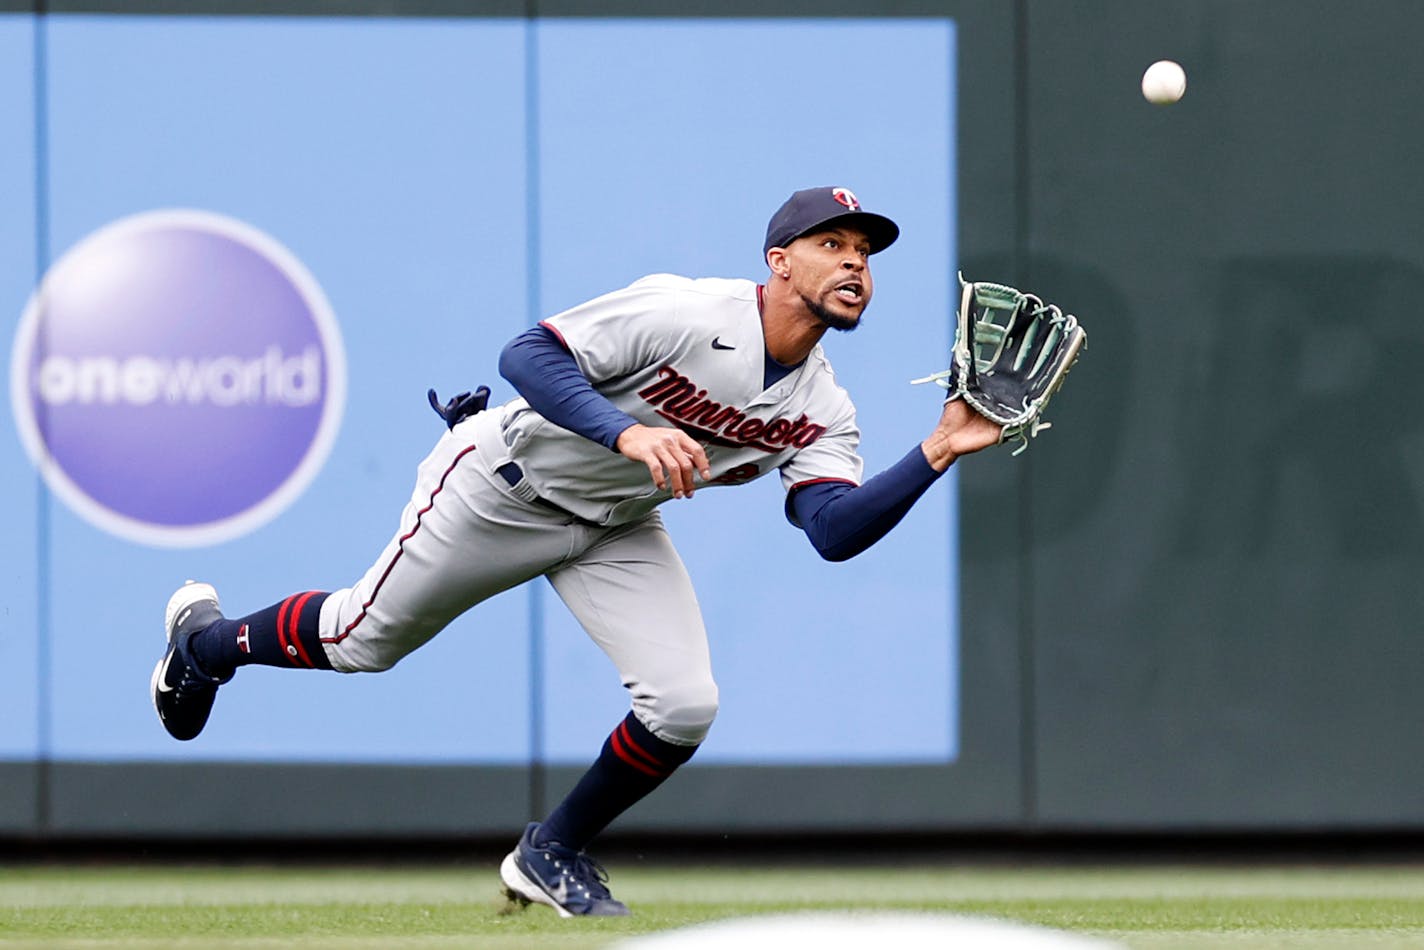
(680, 401)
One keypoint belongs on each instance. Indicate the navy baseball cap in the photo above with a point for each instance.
(814, 208)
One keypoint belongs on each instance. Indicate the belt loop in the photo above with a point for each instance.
(519, 486)
(511, 473)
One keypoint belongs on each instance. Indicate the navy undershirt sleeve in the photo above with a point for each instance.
(843, 520)
(547, 375)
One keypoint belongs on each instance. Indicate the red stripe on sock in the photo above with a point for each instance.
(282, 626)
(622, 753)
(293, 636)
(400, 549)
(638, 750)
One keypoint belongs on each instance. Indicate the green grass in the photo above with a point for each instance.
(1140, 907)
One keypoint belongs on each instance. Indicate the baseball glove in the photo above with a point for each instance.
(1011, 353)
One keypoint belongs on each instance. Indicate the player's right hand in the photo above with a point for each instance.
(672, 456)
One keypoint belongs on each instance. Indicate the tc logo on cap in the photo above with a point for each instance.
(178, 378)
(846, 197)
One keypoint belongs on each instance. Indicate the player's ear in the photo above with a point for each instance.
(777, 259)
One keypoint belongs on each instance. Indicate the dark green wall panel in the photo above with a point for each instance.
(19, 798)
(1228, 526)
(218, 800)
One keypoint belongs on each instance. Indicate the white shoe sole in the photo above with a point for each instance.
(183, 600)
(519, 887)
(153, 684)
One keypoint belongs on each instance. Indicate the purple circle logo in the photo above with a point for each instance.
(178, 378)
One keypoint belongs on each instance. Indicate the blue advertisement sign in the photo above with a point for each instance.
(179, 378)
(254, 273)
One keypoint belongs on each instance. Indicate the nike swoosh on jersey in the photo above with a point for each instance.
(717, 344)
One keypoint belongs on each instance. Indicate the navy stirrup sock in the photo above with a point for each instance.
(633, 763)
(285, 634)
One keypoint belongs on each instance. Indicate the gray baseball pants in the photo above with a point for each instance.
(467, 534)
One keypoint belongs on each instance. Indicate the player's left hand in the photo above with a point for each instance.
(961, 431)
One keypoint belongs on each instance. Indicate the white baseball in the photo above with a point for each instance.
(1164, 82)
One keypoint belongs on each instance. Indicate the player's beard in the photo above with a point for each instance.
(833, 320)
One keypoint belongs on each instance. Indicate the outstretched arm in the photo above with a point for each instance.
(842, 520)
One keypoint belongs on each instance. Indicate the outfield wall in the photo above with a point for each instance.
(1188, 607)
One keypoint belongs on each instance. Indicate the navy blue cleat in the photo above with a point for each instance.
(569, 881)
(182, 693)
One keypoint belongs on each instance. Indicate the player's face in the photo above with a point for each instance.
(831, 271)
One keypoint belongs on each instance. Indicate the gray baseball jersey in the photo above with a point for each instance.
(666, 350)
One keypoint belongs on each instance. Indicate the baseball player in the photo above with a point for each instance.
(643, 395)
